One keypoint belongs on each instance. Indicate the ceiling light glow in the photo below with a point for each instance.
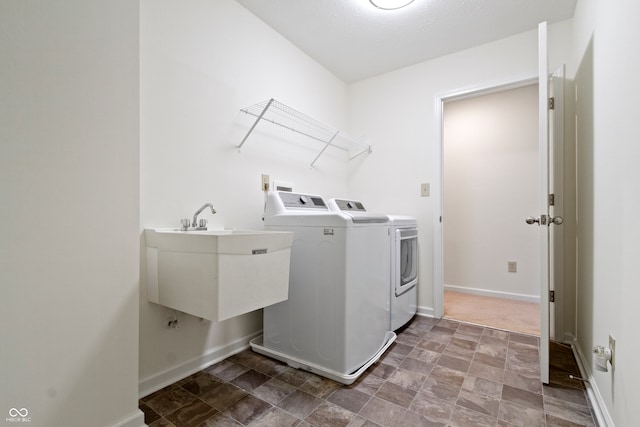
(390, 4)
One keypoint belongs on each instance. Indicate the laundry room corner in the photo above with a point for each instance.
(193, 86)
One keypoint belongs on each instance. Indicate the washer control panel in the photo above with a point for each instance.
(302, 201)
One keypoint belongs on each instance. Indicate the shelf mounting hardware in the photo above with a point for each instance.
(255, 123)
(325, 147)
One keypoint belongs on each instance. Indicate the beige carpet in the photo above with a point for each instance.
(516, 316)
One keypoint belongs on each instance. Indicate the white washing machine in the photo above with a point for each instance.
(335, 321)
(403, 271)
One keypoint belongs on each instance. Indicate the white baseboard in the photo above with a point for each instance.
(494, 294)
(568, 338)
(600, 411)
(134, 420)
(424, 311)
(155, 382)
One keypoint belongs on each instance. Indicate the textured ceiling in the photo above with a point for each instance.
(354, 40)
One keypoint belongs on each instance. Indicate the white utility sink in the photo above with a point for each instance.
(217, 274)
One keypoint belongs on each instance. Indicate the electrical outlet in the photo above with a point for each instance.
(425, 189)
(612, 347)
(173, 322)
(265, 182)
(512, 267)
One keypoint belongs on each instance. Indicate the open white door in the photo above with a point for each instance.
(545, 200)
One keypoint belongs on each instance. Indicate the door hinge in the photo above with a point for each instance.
(552, 199)
(552, 296)
(552, 103)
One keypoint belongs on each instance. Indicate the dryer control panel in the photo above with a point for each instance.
(349, 205)
(356, 211)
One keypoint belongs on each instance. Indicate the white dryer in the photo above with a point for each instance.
(403, 260)
(404, 269)
(335, 321)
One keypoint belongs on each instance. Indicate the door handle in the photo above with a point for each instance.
(541, 220)
(557, 220)
(531, 220)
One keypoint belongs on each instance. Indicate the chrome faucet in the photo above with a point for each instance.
(202, 225)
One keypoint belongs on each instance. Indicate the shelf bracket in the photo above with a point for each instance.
(327, 144)
(255, 123)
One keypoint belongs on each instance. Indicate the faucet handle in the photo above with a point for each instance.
(185, 223)
(202, 223)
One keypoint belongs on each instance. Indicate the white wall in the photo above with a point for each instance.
(69, 178)
(608, 199)
(490, 187)
(69, 212)
(397, 111)
(201, 62)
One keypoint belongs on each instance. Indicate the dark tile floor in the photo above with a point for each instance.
(438, 373)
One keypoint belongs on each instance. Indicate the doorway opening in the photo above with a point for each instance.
(490, 184)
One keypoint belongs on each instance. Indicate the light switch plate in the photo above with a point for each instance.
(425, 189)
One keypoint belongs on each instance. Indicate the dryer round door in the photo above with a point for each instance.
(406, 262)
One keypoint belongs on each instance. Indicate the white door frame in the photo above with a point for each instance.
(438, 238)
(557, 162)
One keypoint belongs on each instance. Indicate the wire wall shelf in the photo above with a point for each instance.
(279, 114)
